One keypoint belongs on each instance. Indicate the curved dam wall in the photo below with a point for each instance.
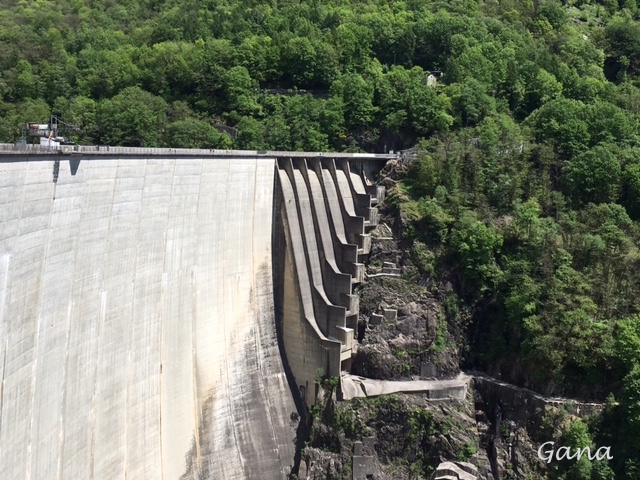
(137, 331)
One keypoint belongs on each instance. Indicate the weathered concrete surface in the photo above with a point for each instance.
(308, 348)
(354, 386)
(137, 337)
(316, 214)
(455, 471)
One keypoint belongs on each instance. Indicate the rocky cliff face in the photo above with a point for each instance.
(424, 337)
(389, 437)
(412, 327)
(409, 437)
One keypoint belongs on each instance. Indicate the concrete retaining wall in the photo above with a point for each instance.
(522, 405)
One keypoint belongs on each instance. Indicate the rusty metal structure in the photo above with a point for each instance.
(48, 133)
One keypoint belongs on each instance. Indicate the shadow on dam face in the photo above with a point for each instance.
(137, 332)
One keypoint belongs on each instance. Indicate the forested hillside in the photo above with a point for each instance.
(153, 73)
(525, 192)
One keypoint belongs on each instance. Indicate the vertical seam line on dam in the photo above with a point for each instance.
(130, 375)
(165, 281)
(6, 259)
(39, 322)
(69, 320)
(64, 391)
(101, 319)
(226, 333)
(258, 335)
(4, 369)
(194, 320)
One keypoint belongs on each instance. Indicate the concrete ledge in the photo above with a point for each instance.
(102, 150)
(358, 387)
(450, 470)
(387, 275)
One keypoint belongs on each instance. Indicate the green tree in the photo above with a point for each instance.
(12, 116)
(239, 89)
(628, 438)
(304, 115)
(434, 37)
(260, 56)
(554, 13)
(394, 40)
(545, 87)
(277, 133)
(308, 64)
(576, 436)
(354, 45)
(429, 111)
(133, 118)
(526, 223)
(593, 176)
(357, 99)
(192, 133)
(26, 83)
(104, 73)
(623, 42)
(561, 123)
(406, 102)
(608, 123)
(166, 69)
(631, 189)
(332, 122)
(82, 112)
(250, 134)
(56, 79)
(470, 102)
(476, 245)
(627, 344)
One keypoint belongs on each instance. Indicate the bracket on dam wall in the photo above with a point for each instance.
(324, 208)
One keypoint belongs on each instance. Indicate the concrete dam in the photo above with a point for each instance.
(164, 313)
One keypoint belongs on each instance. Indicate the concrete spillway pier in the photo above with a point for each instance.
(137, 323)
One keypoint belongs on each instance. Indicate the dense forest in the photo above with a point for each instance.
(525, 191)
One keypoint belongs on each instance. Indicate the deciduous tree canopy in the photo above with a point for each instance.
(526, 191)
